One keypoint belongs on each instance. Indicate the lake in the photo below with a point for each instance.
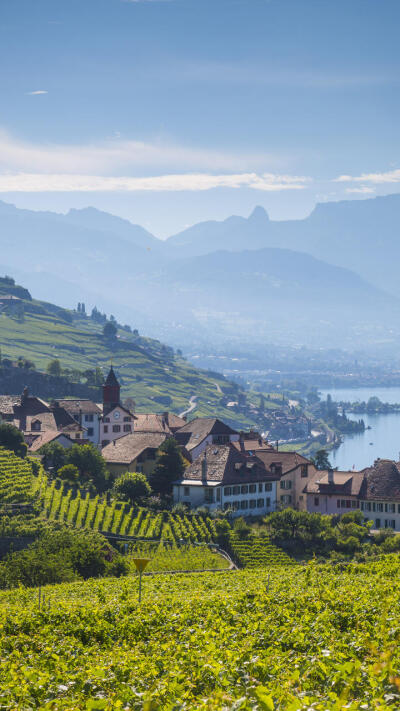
(382, 440)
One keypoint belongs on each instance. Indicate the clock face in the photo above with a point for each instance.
(116, 415)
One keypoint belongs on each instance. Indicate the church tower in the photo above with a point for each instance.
(111, 392)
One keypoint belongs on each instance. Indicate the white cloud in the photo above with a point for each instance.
(392, 176)
(124, 157)
(40, 182)
(36, 93)
(362, 190)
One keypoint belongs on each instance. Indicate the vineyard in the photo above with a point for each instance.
(172, 558)
(257, 552)
(16, 478)
(83, 510)
(289, 639)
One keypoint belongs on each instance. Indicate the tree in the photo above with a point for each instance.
(12, 439)
(321, 460)
(53, 455)
(54, 368)
(69, 473)
(169, 466)
(90, 464)
(132, 487)
(109, 330)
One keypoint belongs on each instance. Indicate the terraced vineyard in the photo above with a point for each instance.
(256, 552)
(289, 639)
(16, 478)
(171, 557)
(83, 510)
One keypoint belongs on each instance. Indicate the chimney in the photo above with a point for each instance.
(330, 476)
(277, 445)
(204, 467)
(114, 442)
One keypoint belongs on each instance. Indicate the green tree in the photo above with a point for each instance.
(12, 439)
(90, 464)
(109, 330)
(54, 368)
(69, 473)
(169, 466)
(53, 455)
(321, 460)
(132, 487)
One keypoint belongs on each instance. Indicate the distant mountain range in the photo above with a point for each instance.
(327, 280)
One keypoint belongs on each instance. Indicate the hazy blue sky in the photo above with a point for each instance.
(172, 111)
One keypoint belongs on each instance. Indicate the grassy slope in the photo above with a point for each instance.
(144, 372)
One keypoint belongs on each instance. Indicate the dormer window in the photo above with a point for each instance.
(36, 426)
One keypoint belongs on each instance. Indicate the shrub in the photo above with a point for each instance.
(132, 487)
(12, 439)
(68, 473)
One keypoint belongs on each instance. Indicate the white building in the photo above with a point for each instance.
(224, 478)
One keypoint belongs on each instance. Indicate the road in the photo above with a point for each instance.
(192, 406)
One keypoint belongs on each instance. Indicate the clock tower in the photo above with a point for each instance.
(111, 392)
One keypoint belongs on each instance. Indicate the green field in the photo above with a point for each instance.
(149, 372)
(301, 637)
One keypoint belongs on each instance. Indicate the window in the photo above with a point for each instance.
(398, 508)
(116, 428)
(260, 503)
(391, 508)
(362, 506)
(226, 506)
(286, 499)
(348, 504)
(236, 505)
(267, 502)
(77, 436)
(208, 496)
(252, 488)
(316, 500)
(338, 503)
(268, 486)
(379, 507)
(106, 419)
(304, 470)
(105, 428)
(244, 504)
(186, 490)
(90, 431)
(373, 506)
(286, 484)
(260, 487)
(244, 489)
(127, 428)
(386, 508)
(252, 503)
(104, 442)
(218, 494)
(36, 426)
(127, 419)
(227, 491)
(378, 523)
(276, 468)
(354, 504)
(236, 490)
(220, 439)
(88, 418)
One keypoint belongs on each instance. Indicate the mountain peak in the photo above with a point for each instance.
(259, 214)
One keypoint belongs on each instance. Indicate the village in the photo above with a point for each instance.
(237, 472)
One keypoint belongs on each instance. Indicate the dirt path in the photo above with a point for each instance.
(192, 406)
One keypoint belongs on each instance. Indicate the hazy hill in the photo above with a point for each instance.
(148, 370)
(361, 235)
(272, 290)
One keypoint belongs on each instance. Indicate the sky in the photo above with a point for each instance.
(170, 112)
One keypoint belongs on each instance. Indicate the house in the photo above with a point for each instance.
(293, 471)
(202, 431)
(87, 413)
(150, 422)
(135, 452)
(224, 478)
(374, 490)
(252, 442)
(36, 442)
(333, 492)
(116, 420)
(380, 495)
